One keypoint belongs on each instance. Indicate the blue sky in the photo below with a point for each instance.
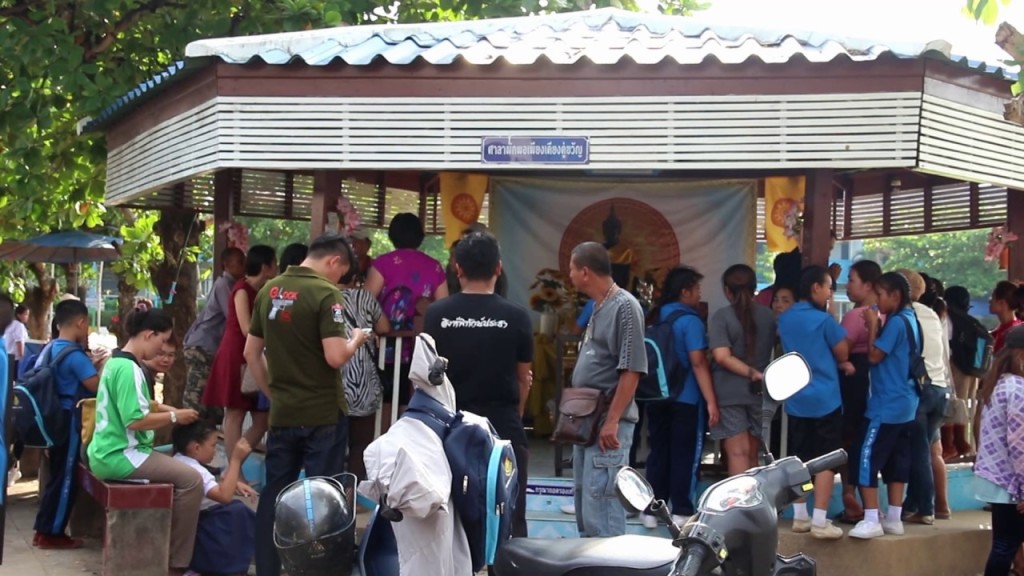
(893, 20)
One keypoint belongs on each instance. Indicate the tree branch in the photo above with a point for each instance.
(130, 18)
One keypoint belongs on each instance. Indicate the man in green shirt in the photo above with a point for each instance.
(298, 320)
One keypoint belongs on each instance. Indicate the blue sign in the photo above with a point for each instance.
(535, 150)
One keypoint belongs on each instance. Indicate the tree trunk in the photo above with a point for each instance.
(178, 230)
(39, 301)
(126, 294)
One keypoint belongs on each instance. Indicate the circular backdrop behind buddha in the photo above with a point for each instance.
(640, 241)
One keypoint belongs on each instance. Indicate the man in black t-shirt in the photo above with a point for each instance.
(489, 345)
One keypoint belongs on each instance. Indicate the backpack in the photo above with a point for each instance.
(484, 479)
(399, 308)
(666, 374)
(36, 410)
(918, 371)
(971, 348)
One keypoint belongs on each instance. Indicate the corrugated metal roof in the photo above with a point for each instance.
(136, 95)
(603, 36)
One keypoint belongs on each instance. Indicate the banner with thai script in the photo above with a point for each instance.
(648, 227)
(783, 206)
(462, 196)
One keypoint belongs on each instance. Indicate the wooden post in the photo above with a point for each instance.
(816, 239)
(1015, 223)
(226, 185)
(326, 190)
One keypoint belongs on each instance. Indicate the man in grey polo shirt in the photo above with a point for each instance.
(203, 338)
(612, 356)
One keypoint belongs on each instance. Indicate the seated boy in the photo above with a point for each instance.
(226, 536)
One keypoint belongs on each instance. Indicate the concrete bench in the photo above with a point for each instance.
(136, 525)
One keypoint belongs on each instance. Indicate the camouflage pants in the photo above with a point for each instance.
(197, 370)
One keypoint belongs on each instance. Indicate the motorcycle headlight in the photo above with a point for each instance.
(738, 492)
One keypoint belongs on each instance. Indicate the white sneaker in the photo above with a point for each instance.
(827, 532)
(13, 475)
(679, 520)
(866, 530)
(569, 509)
(649, 521)
(895, 527)
(801, 526)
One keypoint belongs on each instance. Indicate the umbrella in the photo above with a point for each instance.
(70, 247)
(63, 248)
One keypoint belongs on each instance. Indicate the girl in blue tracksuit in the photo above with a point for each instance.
(884, 443)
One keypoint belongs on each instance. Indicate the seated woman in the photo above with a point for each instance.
(226, 538)
(122, 444)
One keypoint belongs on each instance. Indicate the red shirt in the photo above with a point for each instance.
(1000, 333)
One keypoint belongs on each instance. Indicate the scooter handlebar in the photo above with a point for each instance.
(692, 562)
(828, 461)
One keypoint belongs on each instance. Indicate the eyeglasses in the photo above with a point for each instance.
(167, 355)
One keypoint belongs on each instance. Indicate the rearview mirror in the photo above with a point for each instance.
(634, 491)
(786, 376)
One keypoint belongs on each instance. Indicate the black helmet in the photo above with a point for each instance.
(314, 527)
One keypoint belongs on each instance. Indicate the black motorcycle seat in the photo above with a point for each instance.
(633, 555)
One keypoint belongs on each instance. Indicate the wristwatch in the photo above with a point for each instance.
(174, 417)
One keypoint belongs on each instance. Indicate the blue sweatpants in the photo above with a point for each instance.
(59, 494)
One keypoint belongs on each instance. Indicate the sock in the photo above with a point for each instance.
(800, 511)
(871, 515)
(895, 514)
(819, 517)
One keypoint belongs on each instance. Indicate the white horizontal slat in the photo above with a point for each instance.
(965, 143)
(726, 132)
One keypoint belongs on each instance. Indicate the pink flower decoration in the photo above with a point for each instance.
(350, 219)
(998, 238)
(238, 235)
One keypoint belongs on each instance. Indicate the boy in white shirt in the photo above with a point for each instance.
(225, 539)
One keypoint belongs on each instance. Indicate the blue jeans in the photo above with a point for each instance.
(1007, 536)
(598, 510)
(318, 449)
(921, 488)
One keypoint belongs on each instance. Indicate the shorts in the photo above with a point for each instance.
(735, 420)
(884, 448)
(813, 437)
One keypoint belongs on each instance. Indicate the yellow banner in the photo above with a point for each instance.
(462, 196)
(783, 205)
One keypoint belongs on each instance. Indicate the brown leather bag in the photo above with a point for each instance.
(580, 413)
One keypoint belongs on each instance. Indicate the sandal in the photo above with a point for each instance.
(943, 515)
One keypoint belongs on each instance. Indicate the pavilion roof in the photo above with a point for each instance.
(604, 37)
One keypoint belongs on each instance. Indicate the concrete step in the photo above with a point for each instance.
(956, 547)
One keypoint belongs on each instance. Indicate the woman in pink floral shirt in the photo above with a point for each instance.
(999, 469)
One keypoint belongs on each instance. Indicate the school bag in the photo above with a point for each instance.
(484, 480)
(36, 410)
(666, 374)
(918, 371)
(971, 348)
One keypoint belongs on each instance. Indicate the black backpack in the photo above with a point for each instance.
(36, 410)
(971, 347)
(918, 371)
(666, 374)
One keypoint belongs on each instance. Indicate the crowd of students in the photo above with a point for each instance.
(881, 382)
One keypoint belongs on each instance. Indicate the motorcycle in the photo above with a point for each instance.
(733, 533)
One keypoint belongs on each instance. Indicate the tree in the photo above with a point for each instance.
(1010, 40)
(64, 61)
(956, 258)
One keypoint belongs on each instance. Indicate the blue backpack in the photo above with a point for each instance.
(666, 375)
(484, 480)
(36, 410)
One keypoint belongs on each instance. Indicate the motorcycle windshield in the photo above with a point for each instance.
(738, 492)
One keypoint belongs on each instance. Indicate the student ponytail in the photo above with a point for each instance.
(141, 319)
(741, 282)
